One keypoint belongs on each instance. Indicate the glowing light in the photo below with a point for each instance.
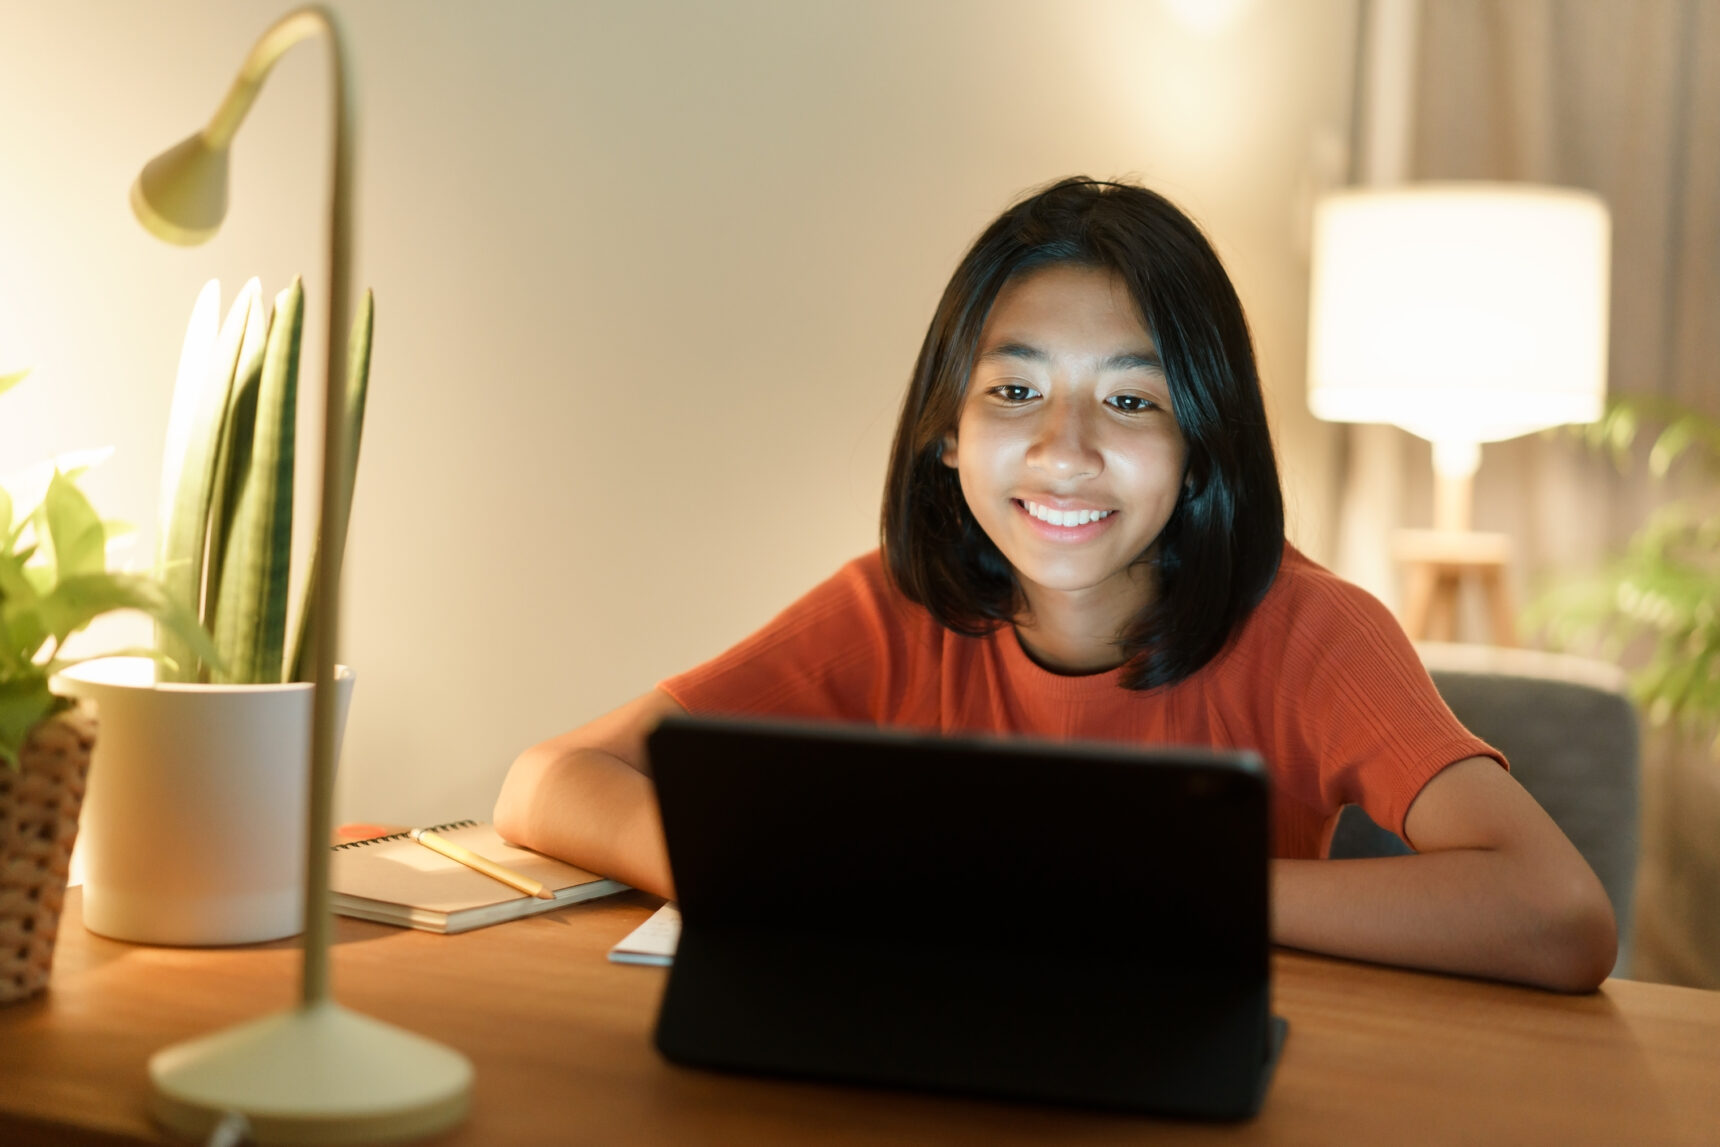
(1208, 17)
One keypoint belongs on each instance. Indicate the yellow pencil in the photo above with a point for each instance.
(477, 863)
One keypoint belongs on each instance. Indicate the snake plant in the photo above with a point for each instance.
(53, 582)
(225, 552)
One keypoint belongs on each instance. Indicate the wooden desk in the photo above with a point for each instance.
(561, 1040)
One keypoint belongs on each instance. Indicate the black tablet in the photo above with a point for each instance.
(1074, 923)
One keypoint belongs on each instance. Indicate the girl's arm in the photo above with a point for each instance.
(1496, 890)
(587, 797)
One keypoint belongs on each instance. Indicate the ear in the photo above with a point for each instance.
(947, 451)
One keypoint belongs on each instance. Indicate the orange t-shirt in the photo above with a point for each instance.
(1320, 681)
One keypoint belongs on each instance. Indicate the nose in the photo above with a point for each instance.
(1064, 445)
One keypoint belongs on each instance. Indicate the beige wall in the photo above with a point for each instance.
(650, 278)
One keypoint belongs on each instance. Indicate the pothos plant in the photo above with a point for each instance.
(227, 485)
(54, 581)
(1664, 589)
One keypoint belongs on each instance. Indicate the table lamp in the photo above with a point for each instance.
(316, 1073)
(1464, 313)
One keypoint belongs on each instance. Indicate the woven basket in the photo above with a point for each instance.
(38, 824)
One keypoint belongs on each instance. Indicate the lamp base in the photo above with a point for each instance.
(318, 1074)
(1437, 562)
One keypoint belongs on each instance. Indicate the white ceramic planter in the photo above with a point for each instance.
(193, 828)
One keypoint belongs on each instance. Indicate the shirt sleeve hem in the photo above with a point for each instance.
(1430, 766)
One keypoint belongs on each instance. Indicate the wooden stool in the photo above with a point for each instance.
(1436, 562)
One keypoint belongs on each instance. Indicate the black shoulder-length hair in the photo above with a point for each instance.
(1218, 553)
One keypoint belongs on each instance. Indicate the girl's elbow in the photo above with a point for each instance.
(514, 803)
(1582, 939)
(508, 816)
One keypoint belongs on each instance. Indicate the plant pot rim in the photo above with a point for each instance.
(88, 678)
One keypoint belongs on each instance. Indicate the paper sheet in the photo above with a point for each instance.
(653, 942)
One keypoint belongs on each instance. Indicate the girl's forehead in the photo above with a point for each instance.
(1067, 307)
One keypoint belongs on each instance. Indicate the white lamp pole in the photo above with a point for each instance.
(317, 1073)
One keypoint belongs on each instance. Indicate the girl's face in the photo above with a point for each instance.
(1067, 451)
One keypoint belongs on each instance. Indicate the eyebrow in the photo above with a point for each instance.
(1128, 360)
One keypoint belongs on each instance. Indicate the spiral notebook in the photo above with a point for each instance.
(396, 880)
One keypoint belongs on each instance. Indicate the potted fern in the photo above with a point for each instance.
(54, 581)
(1660, 597)
(1656, 605)
(195, 818)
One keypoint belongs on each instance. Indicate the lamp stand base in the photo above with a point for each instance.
(318, 1074)
(1437, 562)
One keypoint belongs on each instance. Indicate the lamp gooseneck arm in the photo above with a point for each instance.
(319, 921)
(290, 30)
(293, 28)
(294, 1075)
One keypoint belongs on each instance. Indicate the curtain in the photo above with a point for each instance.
(1621, 97)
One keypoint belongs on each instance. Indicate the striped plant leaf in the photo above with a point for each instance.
(303, 663)
(201, 334)
(182, 558)
(251, 606)
(233, 455)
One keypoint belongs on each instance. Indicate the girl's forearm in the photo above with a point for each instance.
(1477, 912)
(588, 808)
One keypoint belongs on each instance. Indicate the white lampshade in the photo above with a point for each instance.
(1464, 313)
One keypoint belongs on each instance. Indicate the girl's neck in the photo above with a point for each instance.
(1080, 631)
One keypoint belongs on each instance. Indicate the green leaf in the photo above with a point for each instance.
(233, 459)
(1685, 431)
(23, 702)
(1662, 593)
(20, 611)
(251, 608)
(6, 537)
(80, 543)
(14, 586)
(189, 383)
(182, 552)
(302, 666)
(77, 601)
(41, 577)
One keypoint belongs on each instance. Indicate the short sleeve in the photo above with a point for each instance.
(1355, 718)
(839, 653)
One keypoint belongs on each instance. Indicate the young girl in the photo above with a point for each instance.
(1083, 538)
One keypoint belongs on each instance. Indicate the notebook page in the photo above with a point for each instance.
(399, 870)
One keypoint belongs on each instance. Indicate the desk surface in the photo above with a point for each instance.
(561, 1041)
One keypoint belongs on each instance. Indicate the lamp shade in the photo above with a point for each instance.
(1463, 313)
(181, 195)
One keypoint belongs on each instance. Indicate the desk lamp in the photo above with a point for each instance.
(1464, 313)
(316, 1073)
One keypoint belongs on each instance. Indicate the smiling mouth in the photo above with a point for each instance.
(1063, 517)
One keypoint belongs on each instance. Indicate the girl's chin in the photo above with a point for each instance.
(1068, 579)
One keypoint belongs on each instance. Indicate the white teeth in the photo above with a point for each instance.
(1065, 517)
